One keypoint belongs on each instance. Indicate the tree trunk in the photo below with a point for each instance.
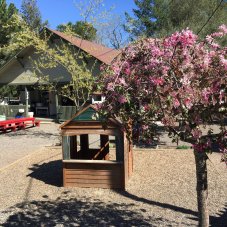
(202, 188)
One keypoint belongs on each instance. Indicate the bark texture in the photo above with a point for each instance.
(202, 188)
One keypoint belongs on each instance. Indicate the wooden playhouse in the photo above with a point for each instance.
(94, 164)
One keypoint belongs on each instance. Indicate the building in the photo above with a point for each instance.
(19, 71)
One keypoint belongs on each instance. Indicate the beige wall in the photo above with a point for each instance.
(15, 73)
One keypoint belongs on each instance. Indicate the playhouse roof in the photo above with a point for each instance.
(88, 114)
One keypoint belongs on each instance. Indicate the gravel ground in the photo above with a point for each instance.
(161, 192)
(15, 145)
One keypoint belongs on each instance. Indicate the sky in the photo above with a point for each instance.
(62, 11)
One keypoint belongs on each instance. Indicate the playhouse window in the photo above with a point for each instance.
(92, 147)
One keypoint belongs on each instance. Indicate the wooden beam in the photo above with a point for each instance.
(71, 132)
(66, 147)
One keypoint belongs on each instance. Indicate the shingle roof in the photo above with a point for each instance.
(102, 53)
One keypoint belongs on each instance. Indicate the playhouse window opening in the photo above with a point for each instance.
(93, 147)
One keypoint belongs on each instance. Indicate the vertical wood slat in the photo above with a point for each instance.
(130, 158)
(66, 147)
(126, 160)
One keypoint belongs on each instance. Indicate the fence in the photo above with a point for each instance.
(11, 111)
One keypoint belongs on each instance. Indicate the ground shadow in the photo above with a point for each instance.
(68, 211)
(155, 203)
(50, 173)
(220, 220)
(215, 221)
(30, 132)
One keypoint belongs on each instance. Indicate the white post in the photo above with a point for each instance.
(26, 101)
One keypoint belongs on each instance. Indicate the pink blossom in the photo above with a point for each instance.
(157, 81)
(127, 71)
(122, 99)
(215, 45)
(223, 28)
(206, 95)
(196, 133)
(188, 103)
(209, 38)
(146, 107)
(121, 81)
(98, 106)
(217, 34)
(155, 51)
(224, 62)
(110, 87)
(176, 103)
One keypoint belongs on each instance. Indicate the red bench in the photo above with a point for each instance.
(19, 123)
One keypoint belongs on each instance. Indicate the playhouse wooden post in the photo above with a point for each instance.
(104, 142)
(66, 147)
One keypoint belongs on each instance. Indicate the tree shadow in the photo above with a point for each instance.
(28, 132)
(215, 221)
(50, 173)
(220, 220)
(69, 211)
(155, 203)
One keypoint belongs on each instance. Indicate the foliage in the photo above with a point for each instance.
(82, 29)
(183, 147)
(31, 15)
(73, 61)
(8, 91)
(6, 13)
(143, 23)
(173, 79)
(163, 17)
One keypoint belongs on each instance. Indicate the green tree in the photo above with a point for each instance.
(142, 24)
(8, 91)
(176, 15)
(31, 15)
(82, 29)
(6, 12)
(163, 17)
(76, 63)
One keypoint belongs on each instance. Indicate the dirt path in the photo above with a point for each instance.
(16, 145)
(161, 192)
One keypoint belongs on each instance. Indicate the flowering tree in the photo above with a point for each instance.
(172, 79)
